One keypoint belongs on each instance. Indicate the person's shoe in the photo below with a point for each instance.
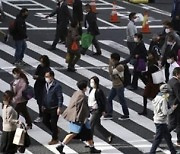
(96, 54)
(22, 63)
(60, 149)
(94, 150)
(52, 48)
(6, 38)
(38, 120)
(110, 138)
(70, 69)
(178, 144)
(29, 127)
(52, 142)
(16, 63)
(132, 88)
(107, 117)
(142, 113)
(124, 117)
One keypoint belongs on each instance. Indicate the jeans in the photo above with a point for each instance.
(95, 122)
(120, 93)
(20, 49)
(162, 131)
(50, 119)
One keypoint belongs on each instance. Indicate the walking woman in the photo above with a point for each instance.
(97, 102)
(151, 89)
(9, 116)
(77, 114)
(72, 43)
(42, 68)
(18, 85)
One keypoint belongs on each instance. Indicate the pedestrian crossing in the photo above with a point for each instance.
(133, 136)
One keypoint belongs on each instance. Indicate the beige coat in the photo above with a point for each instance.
(77, 110)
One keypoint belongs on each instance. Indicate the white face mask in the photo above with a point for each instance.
(167, 30)
(169, 61)
(169, 43)
(92, 84)
(135, 39)
(15, 76)
(48, 80)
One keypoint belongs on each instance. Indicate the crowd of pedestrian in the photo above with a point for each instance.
(84, 113)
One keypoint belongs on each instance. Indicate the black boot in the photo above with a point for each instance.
(60, 149)
(144, 112)
(94, 150)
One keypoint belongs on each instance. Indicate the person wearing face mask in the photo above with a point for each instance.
(77, 114)
(52, 105)
(97, 104)
(151, 89)
(10, 121)
(174, 98)
(20, 36)
(40, 71)
(18, 85)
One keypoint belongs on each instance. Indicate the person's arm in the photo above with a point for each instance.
(11, 115)
(53, 13)
(101, 100)
(177, 91)
(60, 99)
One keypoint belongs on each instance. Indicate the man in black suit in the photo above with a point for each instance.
(92, 28)
(63, 17)
(174, 98)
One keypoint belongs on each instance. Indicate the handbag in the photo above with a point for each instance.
(19, 137)
(141, 65)
(28, 93)
(158, 76)
(86, 40)
(74, 46)
(67, 57)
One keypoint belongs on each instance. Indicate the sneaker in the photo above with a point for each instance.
(142, 113)
(22, 62)
(94, 150)
(107, 117)
(29, 127)
(60, 149)
(110, 138)
(52, 142)
(124, 117)
(38, 120)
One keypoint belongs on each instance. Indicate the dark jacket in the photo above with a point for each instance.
(20, 28)
(140, 50)
(77, 10)
(54, 97)
(40, 81)
(92, 28)
(176, 9)
(63, 15)
(100, 99)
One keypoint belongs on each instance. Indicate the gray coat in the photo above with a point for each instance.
(77, 110)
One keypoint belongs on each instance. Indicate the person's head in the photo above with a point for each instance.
(152, 57)
(138, 37)
(88, 8)
(171, 39)
(18, 73)
(49, 76)
(82, 85)
(165, 89)
(132, 16)
(94, 82)
(176, 72)
(44, 60)
(7, 97)
(115, 58)
(24, 12)
(171, 57)
(168, 27)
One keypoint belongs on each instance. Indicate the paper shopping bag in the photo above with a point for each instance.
(19, 136)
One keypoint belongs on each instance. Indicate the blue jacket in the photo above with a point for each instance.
(53, 97)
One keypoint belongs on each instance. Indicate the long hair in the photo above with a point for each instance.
(96, 80)
(21, 74)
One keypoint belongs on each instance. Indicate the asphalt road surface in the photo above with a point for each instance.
(133, 136)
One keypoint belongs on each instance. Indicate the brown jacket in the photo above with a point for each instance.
(77, 110)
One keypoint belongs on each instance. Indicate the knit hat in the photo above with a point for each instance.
(165, 88)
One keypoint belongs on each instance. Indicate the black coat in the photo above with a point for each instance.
(90, 18)
(20, 28)
(63, 15)
(77, 10)
(40, 81)
(140, 50)
(101, 99)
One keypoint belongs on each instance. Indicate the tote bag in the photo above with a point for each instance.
(86, 40)
(19, 137)
(159, 76)
(74, 46)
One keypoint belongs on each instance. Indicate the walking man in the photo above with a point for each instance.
(20, 36)
(63, 17)
(51, 106)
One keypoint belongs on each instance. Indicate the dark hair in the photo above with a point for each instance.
(96, 80)
(23, 10)
(45, 60)
(172, 55)
(176, 71)
(115, 56)
(131, 15)
(169, 24)
(171, 37)
(51, 73)
(82, 84)
(8, 95)
(21, 74)
(88, 6)
(139, 35)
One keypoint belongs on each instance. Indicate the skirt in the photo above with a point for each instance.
(7, 146)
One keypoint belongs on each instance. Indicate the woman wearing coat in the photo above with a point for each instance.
(40, 83)
(9, 116)
(77, 114)
(97, 103)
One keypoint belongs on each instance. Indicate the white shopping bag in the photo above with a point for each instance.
(159, 76)
(19, 136)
